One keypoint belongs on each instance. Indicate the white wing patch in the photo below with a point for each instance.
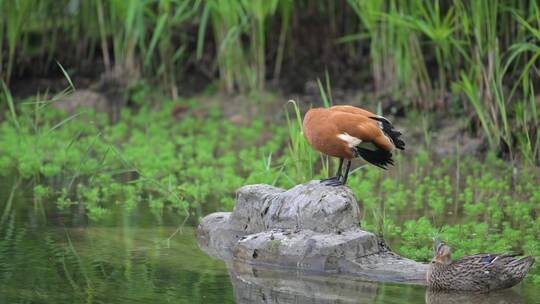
(351, 140)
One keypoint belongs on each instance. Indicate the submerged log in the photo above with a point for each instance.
(310, 227)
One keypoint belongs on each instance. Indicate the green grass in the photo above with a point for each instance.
(242, 66)
(469, 42)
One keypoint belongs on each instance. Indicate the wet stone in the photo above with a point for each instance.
(310, 227)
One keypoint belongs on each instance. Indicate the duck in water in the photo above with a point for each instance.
(480, 272)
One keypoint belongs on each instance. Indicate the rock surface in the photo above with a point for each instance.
(310, 227)
(309, 206)
(305, 249)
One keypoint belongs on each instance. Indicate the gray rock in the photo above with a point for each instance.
(216, 235)
(305, 249)
(310, 227)
(385, 266)
(308, 206)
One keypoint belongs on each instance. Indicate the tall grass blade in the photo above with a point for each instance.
(66, 75)
(11, 105)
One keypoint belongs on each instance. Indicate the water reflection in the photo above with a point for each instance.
(264, 285)
(259, 285)
(107, 265)
(508, 296)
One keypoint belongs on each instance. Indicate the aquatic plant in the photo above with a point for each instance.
(174, 165)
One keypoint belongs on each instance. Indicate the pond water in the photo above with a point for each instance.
(48, 256)
(141, 265)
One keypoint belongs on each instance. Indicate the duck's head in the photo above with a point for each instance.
(442, 255)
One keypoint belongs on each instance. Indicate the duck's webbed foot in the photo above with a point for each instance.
(333, 181)
(334, 178)
(339, 179)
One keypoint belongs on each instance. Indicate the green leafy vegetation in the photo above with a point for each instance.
(475, 206)
(171, 164)
(478, 57)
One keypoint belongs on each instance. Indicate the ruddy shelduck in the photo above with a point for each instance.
(349, 132)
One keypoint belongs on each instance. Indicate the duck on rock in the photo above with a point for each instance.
(481, 272)
(349, 132)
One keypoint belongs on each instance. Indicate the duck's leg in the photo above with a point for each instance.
(346, 176)
(338, 174)
(340, 179)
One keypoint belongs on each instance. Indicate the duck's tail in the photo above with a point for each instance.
(514, 271)
(388, 130)
(378, 157)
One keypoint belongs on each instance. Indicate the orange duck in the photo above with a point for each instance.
(349, 132)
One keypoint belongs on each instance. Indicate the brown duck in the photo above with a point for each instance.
(480, 272)
(348, 132)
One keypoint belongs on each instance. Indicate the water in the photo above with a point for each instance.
(63, 258)
(139, 265)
